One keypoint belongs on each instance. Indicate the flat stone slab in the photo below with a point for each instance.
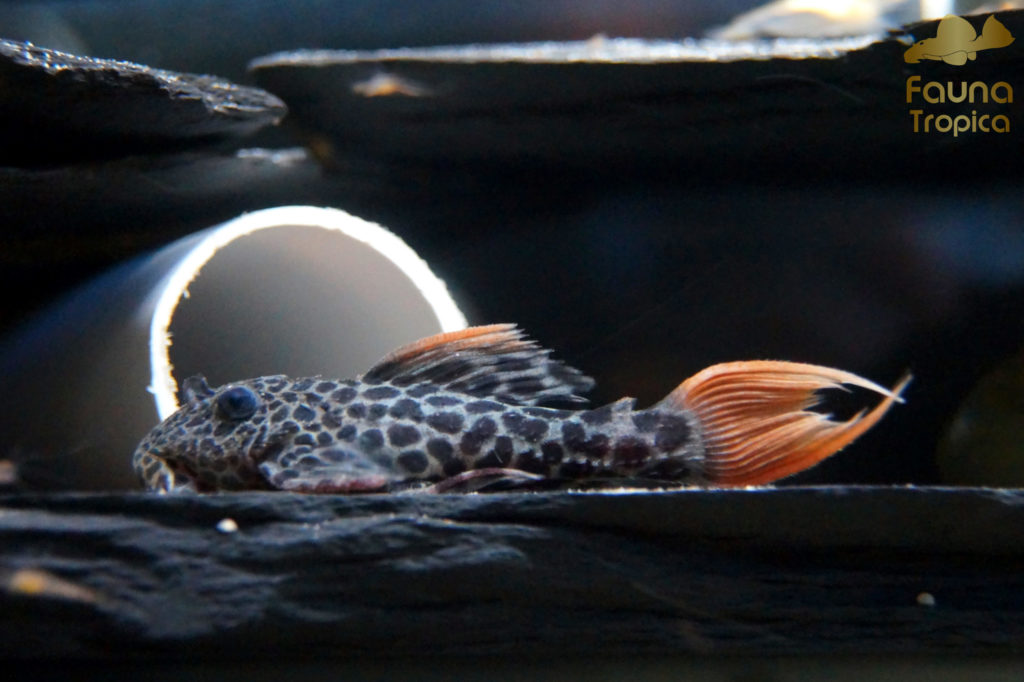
(759, 107)
(266, 576)
(59, 107)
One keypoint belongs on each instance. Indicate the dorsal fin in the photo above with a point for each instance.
(494, 360)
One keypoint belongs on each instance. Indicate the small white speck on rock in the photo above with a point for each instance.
(926, 599)
(227, 526)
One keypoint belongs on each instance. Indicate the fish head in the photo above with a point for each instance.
(918, 51)
(266, 433)
(213, 442)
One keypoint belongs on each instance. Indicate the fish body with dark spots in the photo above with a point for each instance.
(457, 411)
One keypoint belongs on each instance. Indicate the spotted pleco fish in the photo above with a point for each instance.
(461, 410)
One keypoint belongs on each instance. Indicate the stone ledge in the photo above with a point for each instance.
(806, 570)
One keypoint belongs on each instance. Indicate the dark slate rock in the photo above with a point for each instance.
(291, 577)
(742, 109)
(57, 107)
(192, 35)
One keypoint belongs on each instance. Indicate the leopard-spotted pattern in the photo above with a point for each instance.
(314, 434)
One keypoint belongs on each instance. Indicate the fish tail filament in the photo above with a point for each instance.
(757, 423)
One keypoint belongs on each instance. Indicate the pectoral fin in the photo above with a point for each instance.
(958, 58)
(328, 470)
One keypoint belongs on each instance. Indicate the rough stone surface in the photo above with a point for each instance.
(748, 109)
(57, 107)
(786, 571)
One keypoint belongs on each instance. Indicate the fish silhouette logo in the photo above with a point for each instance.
(956, 41)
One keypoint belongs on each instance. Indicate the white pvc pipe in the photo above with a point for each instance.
(390, 247)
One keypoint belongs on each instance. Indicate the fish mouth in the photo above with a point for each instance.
(178, 477)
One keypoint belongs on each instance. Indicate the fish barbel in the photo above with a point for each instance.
(459, 410)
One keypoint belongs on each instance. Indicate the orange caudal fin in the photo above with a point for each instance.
(756, 422)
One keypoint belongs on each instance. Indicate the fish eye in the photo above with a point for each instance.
(237, 403)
